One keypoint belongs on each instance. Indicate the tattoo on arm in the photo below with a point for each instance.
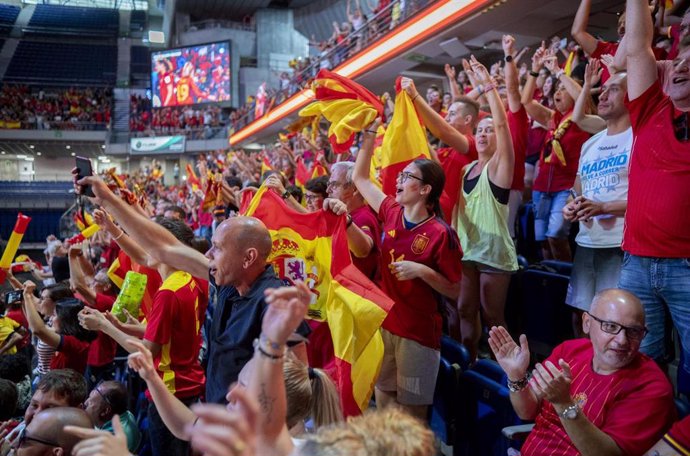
(266, 403)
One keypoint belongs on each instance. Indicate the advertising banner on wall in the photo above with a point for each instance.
(157, 145)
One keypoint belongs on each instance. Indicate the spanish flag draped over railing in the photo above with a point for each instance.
(403, 142)
(347, 105)
(313, 248)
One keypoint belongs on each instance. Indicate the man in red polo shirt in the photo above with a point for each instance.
(656, 236)
(591, 397)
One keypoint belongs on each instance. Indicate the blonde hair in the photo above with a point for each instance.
(310, 393)
(378, 433)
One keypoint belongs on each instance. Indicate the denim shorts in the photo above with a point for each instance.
(593, 270)
(548, 215)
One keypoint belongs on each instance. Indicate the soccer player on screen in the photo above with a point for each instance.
(186, 87)
(165, 83)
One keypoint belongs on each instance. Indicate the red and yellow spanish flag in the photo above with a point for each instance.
(301, 174)
(192, 178)
(265, 166)
(13, 244)
(347, 105)
(123, 264)
(313, 248)
(403, 142)
(318, 170)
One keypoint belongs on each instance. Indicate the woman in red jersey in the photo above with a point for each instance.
(420, 263)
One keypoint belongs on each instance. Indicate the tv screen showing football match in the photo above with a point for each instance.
(191, 75)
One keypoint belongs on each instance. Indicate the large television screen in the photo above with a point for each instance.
(191, 75)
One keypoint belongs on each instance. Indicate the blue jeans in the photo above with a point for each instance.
(660, 283)
(548, 215)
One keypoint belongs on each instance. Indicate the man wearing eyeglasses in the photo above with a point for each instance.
(363, 229)
(45, 435)
(595, 397)
(106, 400)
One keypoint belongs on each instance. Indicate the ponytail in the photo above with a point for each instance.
(325, 402)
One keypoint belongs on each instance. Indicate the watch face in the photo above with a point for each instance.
(571, 413)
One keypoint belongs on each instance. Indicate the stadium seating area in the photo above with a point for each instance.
(70, 20)
(137, 21)
(140, 60)
(8, 14)
(73, 64)
(45, 214)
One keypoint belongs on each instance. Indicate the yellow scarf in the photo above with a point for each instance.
(556, 148)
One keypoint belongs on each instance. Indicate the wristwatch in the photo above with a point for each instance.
(570, 412)
(508, 58)
(285, 195)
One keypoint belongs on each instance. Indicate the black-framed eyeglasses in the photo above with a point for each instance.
(336, 184)
(23, 437)
(611, 327)
(405, 175)
(103, 396)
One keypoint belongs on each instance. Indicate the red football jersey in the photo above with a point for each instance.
(633, 406)
(433, 243)
(175, 322)
(658, 215)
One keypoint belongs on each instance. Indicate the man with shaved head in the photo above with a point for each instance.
(598, 396)
(45, 435)
(239, 274)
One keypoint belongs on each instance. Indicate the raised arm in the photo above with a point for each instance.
(360, 175)
(640, 61)
(455, 91)
(173, 412)
(572, 87)
(78, 277)
(536, 110)
(436, 124)
(511, 74)
(579, 28)
(503, 162)
(36, 323)
(287, 308)
(160, 243)
(588, 122)
(127, 244)
(514, 360)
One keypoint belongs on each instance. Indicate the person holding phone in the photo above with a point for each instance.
(599, 196)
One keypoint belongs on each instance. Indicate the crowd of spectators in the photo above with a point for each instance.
(347, 39)
(55, 109)
(593, 134)
(195, 122)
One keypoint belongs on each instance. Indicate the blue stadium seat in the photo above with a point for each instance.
(73, 20)
(487, 383)
(455, 352)
(527, 246)
(8, 16)
(560, 267)
(66, 63)
(547, 319)
(137, 21)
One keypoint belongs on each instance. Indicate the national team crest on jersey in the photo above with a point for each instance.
(581, 400)
(419, 244)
